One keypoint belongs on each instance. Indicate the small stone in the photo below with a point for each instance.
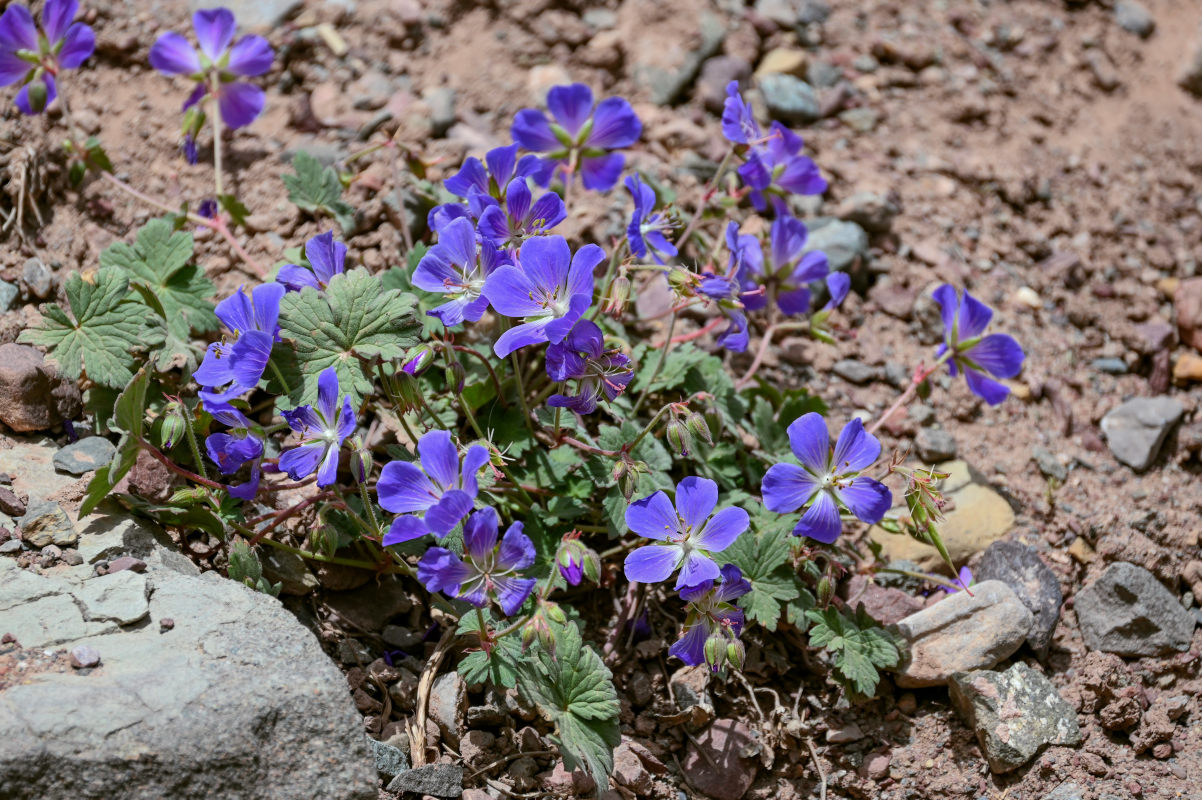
(1028, 298)
(1128, 612)
(1136, 429)
(576, 783)
(540, 80)
(884, 604)
(875, 766)
(1190, 79)
(33, 396)
(1187, 300)
(84, 657)
(448, 706)
(1049, 465)
(639, 687)
(1134, 18)
(47, 523)
(1066, 791)
(88, 454)
(935, 445)
(124, 563)
(38, 277)
(256, 15)
(790, 99)
(288, 570)
(390, 761)
(782, 12)
(476, 748)
(718, 761)
(842, 241)
(962, 632)
(845, 734)
(1110, 366)
(1188, 368)
(120, 597)
(439, 780)
(861, 120)
(690, 687)
(1031, 580)
(855, 372)
(11, 504)
(813, 12)
(823, 74)
(166, 624)
(8, 293)
(782, 60)
(10, 547)
(629, 770)
(716, 74)
(442, 109)
(401, 637)
(872, 212)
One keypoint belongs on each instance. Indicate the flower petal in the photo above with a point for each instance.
(480, 534)
(512, 592)
(22, 99)
(722, 530)
(452, 507)
(439, 458)
(294, 278)
(794, 302)
(653, 517)
(301, 462)
(327, 472)
(17, 29)
(838, 284)
(473, 461)
(327, 394)
(471, 177)
(250, 55)
(524, 335)
(78, 46)
(600, 173)
(326, 256)
(404, 488)
(614, 125)
(580, 274)
(405, 529)
(12, 69)
(546, 260)
(214, 30)
(988, 390)
(56, 18)
(517, 551)
(810, 442)
(690, 647)
(511, 292)
(440, 570)
(999, 354)
(855, 450)
(570, 105)
(821, 521)
(973, 318)
(787, 487)
(532, 131)
(697, 567)
(240, 104)
(949, 305)
(652, 563)
(868, 499)
(695, 501)
(501, 163)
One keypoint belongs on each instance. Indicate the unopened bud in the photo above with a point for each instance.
(826, 591)
(715, 651)
(620, 469)
(417, 359)
(361, 460)
(324, 540)
(679, 437)
(407, 393)
(456, 376)
(555, 613)
(619, 296)
(592, 566)
(697, 425)
(174, 426)
(736, 653)
(38, 95)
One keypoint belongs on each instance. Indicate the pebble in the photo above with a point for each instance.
(716, 763)
(689, 685)
(1190, 79)
(845, 734)
(861, 120)
(782, 60)
(448, 706)
(1187, 299)
(476, 748)
(630, 772)
(841, 240)
(1128, 612)
(1031, 580)
(823, 74)
(257, 15)
(1015, 714)
(875, 766)
(1188, 368)
(84, 657)
(1049, 465)
(790, 99)
(871, 211)
(439, 780)
(1028, 297)
(88, 454)
(33, 396)
(1110, 366)
(935, 445)
(38, 277)
(8, 293)
(855, 372)
(1136, 429)
(442, 109)
(46, 523)
(716, 74)
(11, 504)
(1134, 18)
(962, 632)
(390, 761)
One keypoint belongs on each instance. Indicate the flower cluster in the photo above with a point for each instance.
(31, 56)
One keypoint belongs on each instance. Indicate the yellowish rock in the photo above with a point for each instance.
(1188, 369)
(782, 60)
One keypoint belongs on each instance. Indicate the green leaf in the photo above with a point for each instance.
(234, 207)
(859, 645)
(129, 416)
(497, 668)
(317, 189)
(350, 326)
(105, 335)
(762, 554)
(672, 375)
(156, 264)
(575, 690)
(244, 567)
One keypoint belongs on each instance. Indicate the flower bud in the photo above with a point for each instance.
(679, 438)
(826, 591)
(736, 653)
(619, 296)
(620, 469)
(554, 613)
(418, 359)
(174, 426)
(407, 393)
(38, 95)
(715, 651)
(592, 565)
(361, 460)
(570, 561)
(456, 376)
(697, 425)
(324, 540)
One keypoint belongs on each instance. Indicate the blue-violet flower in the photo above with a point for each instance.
(646, 230)
(998, 354)
(33, 58)
(457, 269)
(442, 489)
(582, 357)
(323, 430)
(326, 258)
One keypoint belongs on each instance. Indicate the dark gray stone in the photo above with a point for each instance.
(8, 294)
(88, 454)
(442, 109)
(790, 99)
(390, 761)
(1049, 465)
(842, 241)
(1066, 791)
(439, 780)
(667, 73)
(811, 12)
(1021, 568)
(448, 706)
(1015, 714)
(1190, 78)
(935, 445)
(716, 74)
(1111, 366)
(855, 372)
(1130, 613)
(1134, 18)
(1136, 429)
(823, 74)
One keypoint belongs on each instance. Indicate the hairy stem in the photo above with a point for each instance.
(190, 432)
(215, 115)
(920, 375)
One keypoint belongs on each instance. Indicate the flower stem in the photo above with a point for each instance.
(215, 114)
(765, 343)
(705, 197)
(659, 365)
(371, 509)
(193, 445)
(920, 375)
(176, 468)
(610, 274)
(923, 576)
(485, 637)
(630, 447)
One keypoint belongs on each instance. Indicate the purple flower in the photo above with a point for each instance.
(33, 58)
(456, 268)
(323, 430)
(838, 284)
(712, 615)
(582, 357)
(550, 289)
(738, 120)
(777, 167)
(999, 355)
(789, 270)
(726, 292)
(230, 450)
(482, 185)
(686, 535)
(207, 208)
(326, 258)
(828, 480)
(646, 230)
(239, 365)
(442, 490)
(521, 217)
(579, 136)
(574, 560)
(217, 66)
(964, 579)
(490, 570)
(188, 147)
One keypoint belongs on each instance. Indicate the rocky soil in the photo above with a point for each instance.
(1046, 154)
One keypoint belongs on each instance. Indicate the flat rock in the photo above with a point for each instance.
(438, 780)
(1015, 713)
(88, 454)
(1136, 429)
(31, 465)
(1128, 612)
(234, 700)
(46, 523)
(935, 445)
(1021, 568)
(962, 632)
(448, 706)
(390, 761)
(717, 760)
(1134, 18)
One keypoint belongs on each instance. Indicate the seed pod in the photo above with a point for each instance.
(698, 426)
(174, 426)
(456, 377)
(361, 460)
(715, 651)
(619, 296)
(736, 653)
(679, 437)
(592, 565)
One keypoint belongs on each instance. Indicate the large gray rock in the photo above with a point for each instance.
(962, 632)
(790, 99)
(88, 454)
(1136, 429)
(1015, 714)
(236, 700)
(1130, 613)
(843, 242)
(1021, 568)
